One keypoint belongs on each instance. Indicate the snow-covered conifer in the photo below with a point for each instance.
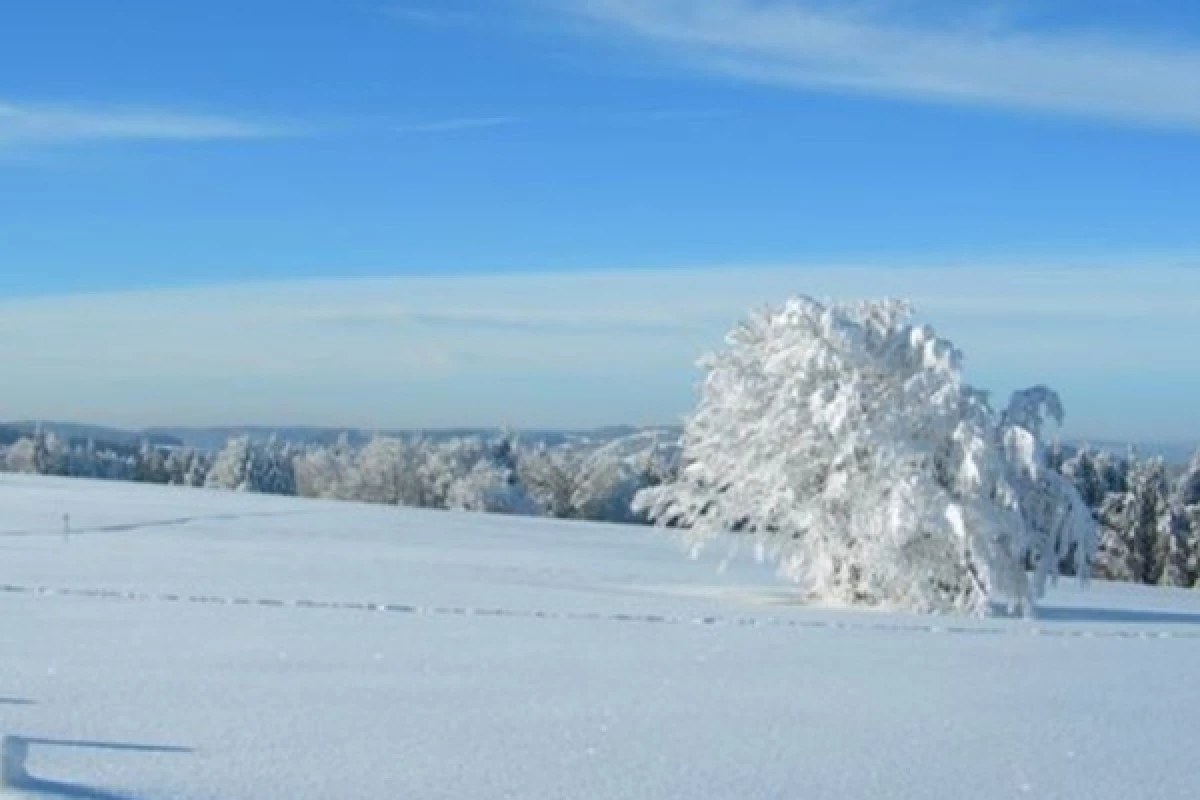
(1187, 490)
(151, 465)
(1133, 523)
(1174, 549)
(272, 468)
(1082, 470)
(248, 466)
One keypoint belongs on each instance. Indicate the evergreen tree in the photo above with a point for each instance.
(1137, 540)
(1187, 490)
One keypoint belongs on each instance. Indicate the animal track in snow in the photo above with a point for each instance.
(955, 629)
(129, 527)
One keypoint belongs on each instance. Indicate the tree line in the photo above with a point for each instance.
(1147, 513)
(582, 479)
(1148, 519)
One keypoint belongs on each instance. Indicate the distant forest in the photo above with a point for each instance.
(1147, 509)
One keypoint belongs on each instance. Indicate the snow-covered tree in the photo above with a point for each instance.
(330, 473)
(1083, 471)
(552, 476)
(1174, 549)
(231, 466)
(1057, 518)
(389, 472)
(844, 440)
(1191, 524)
(101, 461)
(21, 456)
(185, 466)
(151, 465)
(459, 473)
(84, 461)
(39, 453)
(1186, 509)
(443, 464)
(247, 466)
(1120, 557)
(489, 486)
(610, 476)
(49, 453)
(1187, 490)
(1134, 524)
(606, 488)
(272, 468)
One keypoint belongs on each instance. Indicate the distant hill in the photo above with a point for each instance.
(81, 433)
(8, 434)
(212, 439)
(215, 438)
(1177, 453)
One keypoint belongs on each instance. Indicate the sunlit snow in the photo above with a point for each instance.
(170, 643)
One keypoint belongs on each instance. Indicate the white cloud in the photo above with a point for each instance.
(572, 321)
(569, 349)
(583, 116)
(967, 56)
(41, 125)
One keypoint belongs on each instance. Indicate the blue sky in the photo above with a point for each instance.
(165, 159)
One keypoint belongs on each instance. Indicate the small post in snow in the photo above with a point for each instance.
(13, 752)
(66, 528)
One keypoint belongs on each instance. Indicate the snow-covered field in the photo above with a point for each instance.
(188, 644)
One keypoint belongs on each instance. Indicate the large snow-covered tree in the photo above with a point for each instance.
(844, 440)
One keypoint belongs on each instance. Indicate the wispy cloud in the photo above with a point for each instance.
(963, 56)
(40, 125)
(589, 117)
(574, 349)
(573, 321)
(456, 124)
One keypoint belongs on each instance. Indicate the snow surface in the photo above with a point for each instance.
(194, 644)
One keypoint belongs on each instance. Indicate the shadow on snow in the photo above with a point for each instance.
(14, 750)
(1117, 616)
